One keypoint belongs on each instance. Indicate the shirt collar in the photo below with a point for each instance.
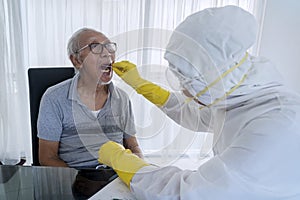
(73, 93)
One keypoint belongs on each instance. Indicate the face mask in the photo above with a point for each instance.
(214, 92)
(180, 82)
(193, 87)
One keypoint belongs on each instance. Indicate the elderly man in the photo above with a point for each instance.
(78, 115)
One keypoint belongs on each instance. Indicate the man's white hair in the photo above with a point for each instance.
(73, 43)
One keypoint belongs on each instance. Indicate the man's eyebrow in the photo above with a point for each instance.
(94, 40)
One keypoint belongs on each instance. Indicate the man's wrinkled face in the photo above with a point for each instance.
(97, 58)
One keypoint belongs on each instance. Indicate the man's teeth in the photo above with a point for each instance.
(107, 68)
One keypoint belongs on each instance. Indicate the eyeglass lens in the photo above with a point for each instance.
(98, 48)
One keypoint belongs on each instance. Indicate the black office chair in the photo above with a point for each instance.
(39, 80)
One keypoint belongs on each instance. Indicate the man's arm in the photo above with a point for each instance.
(48, 154)
(132, 144)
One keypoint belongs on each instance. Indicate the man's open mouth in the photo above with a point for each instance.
(106, 69)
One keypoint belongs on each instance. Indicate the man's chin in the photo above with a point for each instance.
(104, 82)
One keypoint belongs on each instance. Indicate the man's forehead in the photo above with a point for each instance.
(92, 36)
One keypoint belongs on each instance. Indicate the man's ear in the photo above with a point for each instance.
(76, 61)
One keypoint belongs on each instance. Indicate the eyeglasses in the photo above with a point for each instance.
(97, 48)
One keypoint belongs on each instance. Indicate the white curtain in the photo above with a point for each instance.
(140, 27)
(14, 112)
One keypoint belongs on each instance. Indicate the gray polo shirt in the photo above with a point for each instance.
(64, 118)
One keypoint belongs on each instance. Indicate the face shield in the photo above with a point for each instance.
(95, 70)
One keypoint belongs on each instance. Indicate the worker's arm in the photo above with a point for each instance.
(174, 105)
(122, 160)
(132, 144)
(48, 154)
(129, 73)
(225, 176)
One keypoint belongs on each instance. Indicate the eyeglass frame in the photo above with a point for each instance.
(95, 43)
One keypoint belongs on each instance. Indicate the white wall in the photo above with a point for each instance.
(281, 39)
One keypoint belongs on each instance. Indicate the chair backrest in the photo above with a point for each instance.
(39, 80)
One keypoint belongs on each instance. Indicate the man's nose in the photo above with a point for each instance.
(105, 53)
(105, 56)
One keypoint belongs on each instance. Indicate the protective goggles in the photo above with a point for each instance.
(177, 81)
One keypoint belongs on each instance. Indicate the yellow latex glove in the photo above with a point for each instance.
(122, 160)
(129, 73)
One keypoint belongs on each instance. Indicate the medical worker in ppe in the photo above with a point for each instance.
(238, 97)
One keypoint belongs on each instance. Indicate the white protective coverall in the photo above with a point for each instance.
(256, 127)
